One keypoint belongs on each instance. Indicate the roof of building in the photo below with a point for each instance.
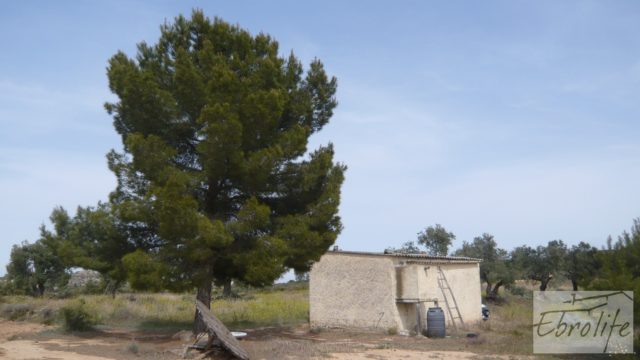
(418, 257)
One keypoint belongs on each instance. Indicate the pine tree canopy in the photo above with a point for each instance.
(215, 181)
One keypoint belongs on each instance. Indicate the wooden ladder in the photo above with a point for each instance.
(443, 284)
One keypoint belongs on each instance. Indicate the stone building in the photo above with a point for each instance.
(384, 291)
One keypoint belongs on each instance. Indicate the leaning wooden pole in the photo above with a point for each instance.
(216, 329)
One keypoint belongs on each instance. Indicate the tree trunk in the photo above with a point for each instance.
(496, 287)
(574, 282)
(226, 289)
(114, 290)
(40, 289)
(487, 292)
(204, 296)
(544, 282)
(492, 292)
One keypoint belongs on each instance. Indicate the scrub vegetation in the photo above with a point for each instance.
(276, 319)
(282, 305)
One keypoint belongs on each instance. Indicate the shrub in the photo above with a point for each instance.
(93, 287)
(48, 316)
(63, 293)
(133, 348)
(6, 288)
(15, 312)
(518, 291)
(76, 318)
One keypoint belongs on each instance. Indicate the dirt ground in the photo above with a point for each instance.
(22, 340)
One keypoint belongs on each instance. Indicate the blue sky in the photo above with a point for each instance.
(517, 118)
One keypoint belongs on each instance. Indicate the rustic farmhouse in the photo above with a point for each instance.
(386, 291)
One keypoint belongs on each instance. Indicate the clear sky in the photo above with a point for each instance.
(516, 118)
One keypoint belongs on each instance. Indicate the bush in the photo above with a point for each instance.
(519, 291)
(93, 288)
(15, 312)
(69, 291)
(63, 293)
(133, 348)
(76, 318)
(47, 316)
(6, 288)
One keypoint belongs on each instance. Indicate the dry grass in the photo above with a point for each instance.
(279, 322)
(170, 311)
(265, 309)
(507, 332)
(509, 329)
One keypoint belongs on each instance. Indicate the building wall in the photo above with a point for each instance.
(420, 282)
(353, 291)
(464, 280)
(411, 280)
(361, 291)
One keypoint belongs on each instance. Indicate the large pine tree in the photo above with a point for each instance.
(215, 181)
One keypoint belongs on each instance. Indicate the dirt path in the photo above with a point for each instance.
(26, 341)
(389, 354)
(10, 329)
(29, 349)
(13, 347)
(22, 341)
(397, 354)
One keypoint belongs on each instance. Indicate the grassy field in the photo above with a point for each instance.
(278, 318)
(276, 306)
(508, 331)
